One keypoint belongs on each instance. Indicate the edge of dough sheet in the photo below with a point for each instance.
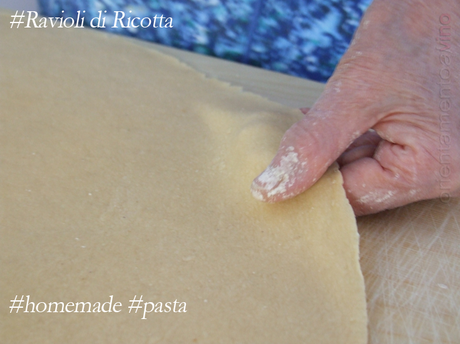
(333, 173)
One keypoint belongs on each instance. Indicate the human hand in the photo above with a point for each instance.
(399, 78)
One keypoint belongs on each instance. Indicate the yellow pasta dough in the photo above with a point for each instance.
(126, 173)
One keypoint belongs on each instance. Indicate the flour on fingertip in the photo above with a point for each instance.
(276, 180)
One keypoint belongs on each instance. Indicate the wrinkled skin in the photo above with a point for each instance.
(389, 115)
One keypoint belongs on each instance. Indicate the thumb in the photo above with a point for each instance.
(311, 145)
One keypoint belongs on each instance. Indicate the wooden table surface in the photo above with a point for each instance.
(410, 256)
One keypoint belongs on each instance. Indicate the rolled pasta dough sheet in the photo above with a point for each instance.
(126, 173)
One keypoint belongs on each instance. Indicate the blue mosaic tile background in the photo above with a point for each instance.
(302, 38)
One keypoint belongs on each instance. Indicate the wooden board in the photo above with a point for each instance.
(410, 256)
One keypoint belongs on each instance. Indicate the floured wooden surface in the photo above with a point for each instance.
(411, 263)
(126, 173)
